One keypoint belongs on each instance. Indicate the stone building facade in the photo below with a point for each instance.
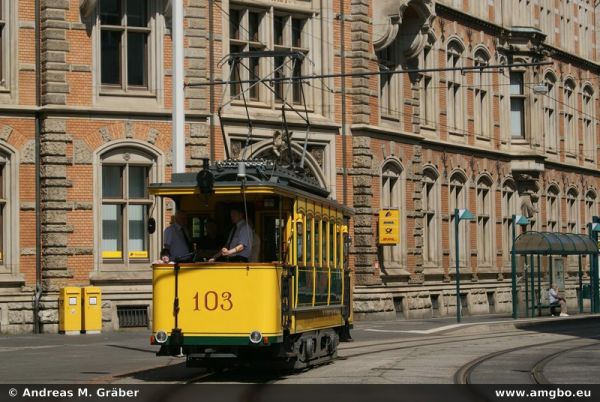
(85, 125)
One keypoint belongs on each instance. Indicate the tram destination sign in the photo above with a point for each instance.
(389, 227)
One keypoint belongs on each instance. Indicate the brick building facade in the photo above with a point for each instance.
(85, 125)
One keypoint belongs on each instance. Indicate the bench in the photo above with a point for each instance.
(551, 306)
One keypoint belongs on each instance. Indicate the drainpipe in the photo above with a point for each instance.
(178, 88)
(38, 131)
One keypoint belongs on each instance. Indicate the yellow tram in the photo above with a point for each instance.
(291, 302)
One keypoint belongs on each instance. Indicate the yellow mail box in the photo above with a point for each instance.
(69, 311)
(92, 310)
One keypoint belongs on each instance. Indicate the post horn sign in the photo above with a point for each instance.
(389, 226)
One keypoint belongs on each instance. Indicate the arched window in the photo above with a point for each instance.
(572, 211)
(427, 102)
(570, 126)
(392, 197)
(509, 208)
(550, 119)
(484, 221)
(458, 200)
(552, 210)
(431, 216)
(9, 226)
(588, 118)
(591, 208)
(125, 173)
(482, 100)
(390, 85)
(455, 100)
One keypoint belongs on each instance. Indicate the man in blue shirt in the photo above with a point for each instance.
(177, 240)
(239, 244)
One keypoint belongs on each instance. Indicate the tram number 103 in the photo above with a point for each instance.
(211, 301)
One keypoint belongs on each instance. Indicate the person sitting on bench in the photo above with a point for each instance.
(555, 300)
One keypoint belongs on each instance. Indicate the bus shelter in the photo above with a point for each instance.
(533, 246)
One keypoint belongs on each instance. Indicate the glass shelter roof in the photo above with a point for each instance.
(550, 243)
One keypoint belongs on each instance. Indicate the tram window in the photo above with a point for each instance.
(317, 243)
(309, 222)
(300, 242)
(324, 243)
(331, 244)
(340, 253)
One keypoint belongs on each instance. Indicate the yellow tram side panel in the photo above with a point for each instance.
(219, 300)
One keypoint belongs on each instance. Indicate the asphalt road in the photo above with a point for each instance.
(391, 352)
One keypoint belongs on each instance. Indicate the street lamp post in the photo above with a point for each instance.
(594, 228)
(516, 220)
(459, 214)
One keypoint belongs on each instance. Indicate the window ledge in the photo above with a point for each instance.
(127, 94)
(9, 279)
(457, 133)
(483, 138)
(107, 277)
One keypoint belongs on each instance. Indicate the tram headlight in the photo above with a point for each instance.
(161, 336)
(255, 337)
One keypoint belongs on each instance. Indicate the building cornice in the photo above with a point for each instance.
(387, 134)
(517, 32)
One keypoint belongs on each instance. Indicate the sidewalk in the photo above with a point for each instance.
(375, 330)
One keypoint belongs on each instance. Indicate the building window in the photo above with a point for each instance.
(391, 197)
(455, 102)
(249, 31)
(3, 209)
(246, 35)
(390, 87)
(572, 212)
(591, 208)
(482, 102)
(549, 105)
(9, 224)
(428, 91)
(431, 228)
(125, 206)
(3, 38)
(570, 128)
(517, 106)
(124, 41)
(588, 119)
(509, 208)
(547, 20)
(484, 221)
(552, 211)
(458, 199)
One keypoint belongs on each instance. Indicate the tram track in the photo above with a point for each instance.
(356, 351)
(464, 374)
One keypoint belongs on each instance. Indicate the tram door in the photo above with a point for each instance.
(271, 230)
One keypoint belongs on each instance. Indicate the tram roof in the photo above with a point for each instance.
(185, 184)
(550, 243)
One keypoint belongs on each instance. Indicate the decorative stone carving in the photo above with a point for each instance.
(86, 7)
(105, 133)
(409, 19)
(5, 133)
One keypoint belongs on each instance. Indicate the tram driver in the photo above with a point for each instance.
(239, 242)
(177, 240)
